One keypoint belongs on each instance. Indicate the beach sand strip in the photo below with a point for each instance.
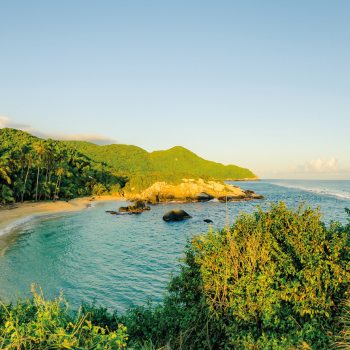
(23, 210)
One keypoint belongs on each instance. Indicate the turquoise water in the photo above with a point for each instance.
(118, 259)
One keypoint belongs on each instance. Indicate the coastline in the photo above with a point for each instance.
(24, 210)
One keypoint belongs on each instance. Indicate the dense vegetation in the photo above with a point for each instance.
(36, 169)
(135, 160)
(32, 168)
(275, 279)
(44, 324)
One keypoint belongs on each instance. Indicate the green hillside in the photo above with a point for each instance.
(33, 168)
(127, 159)
(181, 159)
(134, 160)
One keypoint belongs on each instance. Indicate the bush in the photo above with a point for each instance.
(44, 324)
(276, 279)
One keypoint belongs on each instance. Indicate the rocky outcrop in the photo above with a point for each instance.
(176, 215)
(137, 208)
(191, 190)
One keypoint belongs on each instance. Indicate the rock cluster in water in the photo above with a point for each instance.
(137, 208)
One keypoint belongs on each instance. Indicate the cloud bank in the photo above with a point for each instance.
(97, 139)
(319, 166)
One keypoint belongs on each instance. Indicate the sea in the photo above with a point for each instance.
(121, 259)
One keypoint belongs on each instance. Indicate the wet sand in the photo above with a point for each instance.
(23, 210)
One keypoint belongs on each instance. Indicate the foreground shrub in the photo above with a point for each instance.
(275, 279)
(44, 324)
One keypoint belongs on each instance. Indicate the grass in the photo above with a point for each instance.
(40, 324)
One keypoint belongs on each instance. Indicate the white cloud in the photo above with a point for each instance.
(319, 166)
(98, 139)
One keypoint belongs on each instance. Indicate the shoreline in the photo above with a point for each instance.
(25, 210)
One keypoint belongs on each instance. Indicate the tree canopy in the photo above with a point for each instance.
(130, 159)
(35, 169)
(32, 168)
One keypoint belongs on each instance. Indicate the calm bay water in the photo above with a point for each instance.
(117, 259)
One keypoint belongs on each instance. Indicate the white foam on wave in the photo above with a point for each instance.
(16, 223)
(327, 192)
(29, 218)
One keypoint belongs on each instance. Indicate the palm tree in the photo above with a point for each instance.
(49, 157)
(23, 158)
(13, 160)
(5, 194)
(17, 186)
(40, 149)
(28, 161)
(99, 189)
(4, 170)
(59, 173)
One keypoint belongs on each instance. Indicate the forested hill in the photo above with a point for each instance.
(134, 160)
(33, 168)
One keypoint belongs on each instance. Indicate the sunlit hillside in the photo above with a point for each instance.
(135, 160)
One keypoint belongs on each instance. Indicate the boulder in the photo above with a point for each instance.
(207, 220)
(146, 208)
(258, 196)
(248, 192)
(153, 198)
(204, 197)
(176, 215)
(230, 199)
(166, 197)
(113, 212)
(123, 209)
(139, 204)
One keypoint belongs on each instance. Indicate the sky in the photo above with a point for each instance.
(264, 85)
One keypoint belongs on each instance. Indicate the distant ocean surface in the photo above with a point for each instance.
(118, 259)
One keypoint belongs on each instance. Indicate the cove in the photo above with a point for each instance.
(118, 259)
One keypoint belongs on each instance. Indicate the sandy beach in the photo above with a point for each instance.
(24, 210)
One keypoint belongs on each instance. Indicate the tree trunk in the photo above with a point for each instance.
(37, 184)
(59, 185)
(24, 187)
(56, 187)
(47, 170)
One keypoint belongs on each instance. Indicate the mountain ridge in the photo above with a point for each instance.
(135, 160)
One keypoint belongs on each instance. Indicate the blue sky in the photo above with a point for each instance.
(260, 84)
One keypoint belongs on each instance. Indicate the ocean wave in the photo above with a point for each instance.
(16, 223)
(30, 218)
(326, 192)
